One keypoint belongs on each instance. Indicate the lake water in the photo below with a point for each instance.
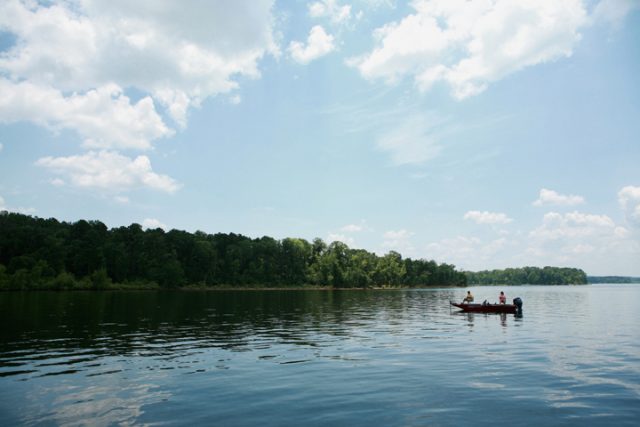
(320, 358)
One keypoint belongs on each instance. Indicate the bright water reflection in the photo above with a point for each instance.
(320, 358)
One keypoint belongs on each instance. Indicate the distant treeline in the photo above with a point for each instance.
(529, 276)
(612, 279)
(38, 253)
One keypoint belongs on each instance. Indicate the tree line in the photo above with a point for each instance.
(38, 253)
(529, 276)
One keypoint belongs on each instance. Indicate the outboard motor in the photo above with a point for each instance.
(518, 303)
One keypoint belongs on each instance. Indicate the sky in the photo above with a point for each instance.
(485, 134)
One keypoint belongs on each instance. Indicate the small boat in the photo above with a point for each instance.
(490, 308)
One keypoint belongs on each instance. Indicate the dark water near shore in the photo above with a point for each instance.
(319, 358)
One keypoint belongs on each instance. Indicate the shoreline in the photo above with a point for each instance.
(245, 288)
(225, 288)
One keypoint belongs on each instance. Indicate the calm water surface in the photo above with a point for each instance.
(320, 358)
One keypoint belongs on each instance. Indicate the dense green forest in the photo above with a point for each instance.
(38, 253)
(529, 276)
(612, 279)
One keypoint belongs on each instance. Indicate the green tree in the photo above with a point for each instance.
(45, 253)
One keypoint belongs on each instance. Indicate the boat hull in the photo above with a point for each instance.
(486, 308)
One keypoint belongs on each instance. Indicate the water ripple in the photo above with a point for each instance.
(346, 358)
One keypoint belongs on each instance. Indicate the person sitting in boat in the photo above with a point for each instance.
(468, 298)
(503, 298)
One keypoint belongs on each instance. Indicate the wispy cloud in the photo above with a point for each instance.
(414, 141)
(613, 12)
(407, 132)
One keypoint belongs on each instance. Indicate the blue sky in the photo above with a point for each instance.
(487, 134)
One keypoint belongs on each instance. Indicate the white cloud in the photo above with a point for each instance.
(550, 197)
(337, 237)
(471, 44)
(593, 242)
(567, 238)
(319, 43)
(414, 141)
(330, 9)
(629, 199)
(486, 217)
(152, 223)
(589, 241)
(107, 170)
(573, 225)
(180, 55)
(1, 147)
(74, 61)
(103, 117)
(344, 235)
